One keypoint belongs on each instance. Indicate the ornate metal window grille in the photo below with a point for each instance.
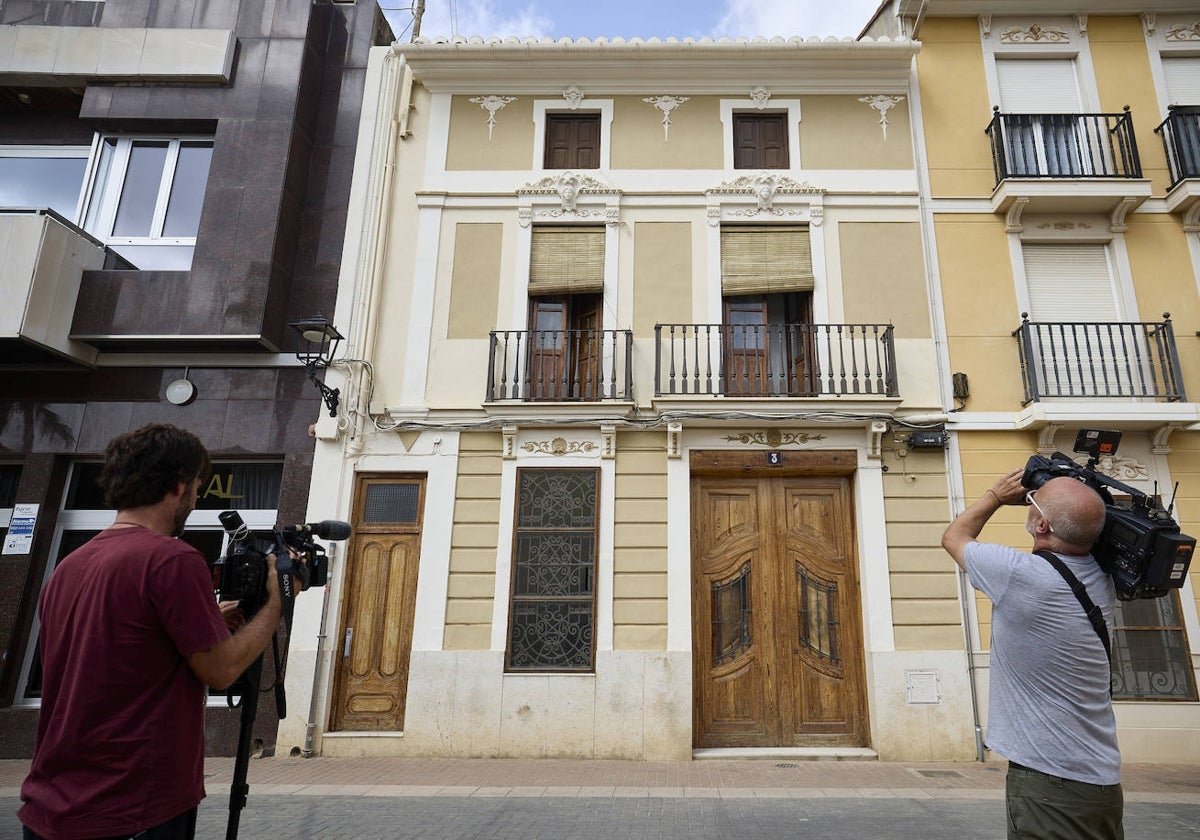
(553, 609)
(818, 615)
(731, 617)
(1150, 655)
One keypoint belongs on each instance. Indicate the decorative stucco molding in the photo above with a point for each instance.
(1064, 226)
(666, 103)
(882, 103)
(571, 188)
(492, 104)
(1081, 25)
(674, 433)
(1160, 439)
(1046, 435)
(560, 446)
(876, 429)
(608, 441)
(573, 95)
(1116, 222)
(985, 26)
(1035, 34)
(1122, 469)
(764, 188)
(1149, 22)
(760, 96)
(773, 438)
(1186, 32)
(1012, 219)
(509, 446)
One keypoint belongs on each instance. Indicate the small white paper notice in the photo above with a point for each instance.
(19, 539)
(923, 687)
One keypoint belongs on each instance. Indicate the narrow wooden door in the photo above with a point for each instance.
(745, 346)
(546, 375)
(777, 632)
(375, 640)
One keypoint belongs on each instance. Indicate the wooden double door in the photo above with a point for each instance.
(777, 630)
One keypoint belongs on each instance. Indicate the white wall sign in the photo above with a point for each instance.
(20, 529)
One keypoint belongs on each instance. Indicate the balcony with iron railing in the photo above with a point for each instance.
(777, 360)
(560, 365)
(1085, 360)
(1077, 163)
(1180, 133)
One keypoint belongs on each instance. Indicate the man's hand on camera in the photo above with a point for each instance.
(1008, 489)
(232, 614)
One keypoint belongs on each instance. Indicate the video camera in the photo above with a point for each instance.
(241, 574)
(1141, 546)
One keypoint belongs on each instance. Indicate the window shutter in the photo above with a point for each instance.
(1183, 80)
(1038, 86)
(762, 259)
(566, 260)
(1069, 283)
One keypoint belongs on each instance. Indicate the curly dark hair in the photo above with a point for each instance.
(142, 466)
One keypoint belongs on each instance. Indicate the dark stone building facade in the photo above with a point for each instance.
(200, 154)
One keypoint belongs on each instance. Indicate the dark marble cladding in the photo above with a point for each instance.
(51, 12)
(293, 101)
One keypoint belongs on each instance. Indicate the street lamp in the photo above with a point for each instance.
(318, 343)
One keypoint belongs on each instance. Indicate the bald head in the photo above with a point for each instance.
(1075, 510)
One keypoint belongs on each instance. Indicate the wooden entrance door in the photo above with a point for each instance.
(777, 638)
(375, 640)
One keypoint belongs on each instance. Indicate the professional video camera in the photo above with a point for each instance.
(241, 575)
(1141, 546)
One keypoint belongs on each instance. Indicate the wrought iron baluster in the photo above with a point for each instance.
(671, 345)
(1150, 336)
(520, 364)
(842, 358)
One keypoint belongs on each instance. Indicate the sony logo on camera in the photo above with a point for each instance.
(1141, 546)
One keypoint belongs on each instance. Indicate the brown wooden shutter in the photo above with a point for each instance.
(567, 259)
(760, 141)
(765, 259)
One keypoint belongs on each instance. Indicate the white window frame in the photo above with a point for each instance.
(105, 198)
(40, 151)
(731, 106)
(541, 107)
(1075, 47)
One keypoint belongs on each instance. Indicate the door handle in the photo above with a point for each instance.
(349, 639)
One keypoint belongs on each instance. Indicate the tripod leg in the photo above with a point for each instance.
(239, 789)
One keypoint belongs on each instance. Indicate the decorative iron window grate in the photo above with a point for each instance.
(553, 608)
(731, 617)
(1150, 655)
(818, 615)
(392, 503)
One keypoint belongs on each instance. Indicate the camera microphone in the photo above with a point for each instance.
(326, 529)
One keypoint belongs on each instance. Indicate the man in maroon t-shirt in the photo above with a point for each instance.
(130, 637)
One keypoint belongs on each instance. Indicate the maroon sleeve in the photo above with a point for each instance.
(182, 592)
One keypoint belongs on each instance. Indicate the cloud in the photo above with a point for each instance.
(794, 17)
(473, 17)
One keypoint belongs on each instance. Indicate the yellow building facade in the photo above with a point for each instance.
(641, 422)
(1057, 150)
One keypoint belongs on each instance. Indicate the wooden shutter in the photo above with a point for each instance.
(572, 141)
(1038, 86)
(764, 259)
(760, 141)
(566, 259)
(1069, 283)
(1183, 80)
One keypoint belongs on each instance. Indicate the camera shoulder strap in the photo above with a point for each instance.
(1080, 591)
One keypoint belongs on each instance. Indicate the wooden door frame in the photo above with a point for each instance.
(834, 463)
(361, 481)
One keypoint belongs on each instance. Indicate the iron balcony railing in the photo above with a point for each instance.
(1063, 146)
(1097, 359)
(778, 360)
(1180, 133)
(560, 365)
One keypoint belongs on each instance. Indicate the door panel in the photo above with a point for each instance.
(376, 633)
(789, 672)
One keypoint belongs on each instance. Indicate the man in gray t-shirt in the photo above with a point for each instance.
(1050, 713)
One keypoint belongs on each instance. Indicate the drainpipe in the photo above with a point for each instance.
(322, 635)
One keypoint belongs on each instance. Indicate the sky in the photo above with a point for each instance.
(632, 18)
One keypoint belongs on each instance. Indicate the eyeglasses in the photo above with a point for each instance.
(1029, 498)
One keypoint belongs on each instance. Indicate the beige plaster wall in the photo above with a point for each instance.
(694, 140)
(981, 308)
(472, 577)
(955, 110)
(640, 542)
(475, 280)
(925, 610)
(509, 147)
(839, 132)
(1118, 46)
(662, 275)
(883, 276)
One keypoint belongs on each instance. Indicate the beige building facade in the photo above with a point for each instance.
(642, 408)
(1057, 146)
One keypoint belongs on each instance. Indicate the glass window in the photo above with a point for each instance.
(553, 609)
(43, 177)
(10, 477)
(1150, 655)
(146, 196)
(250, 485)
